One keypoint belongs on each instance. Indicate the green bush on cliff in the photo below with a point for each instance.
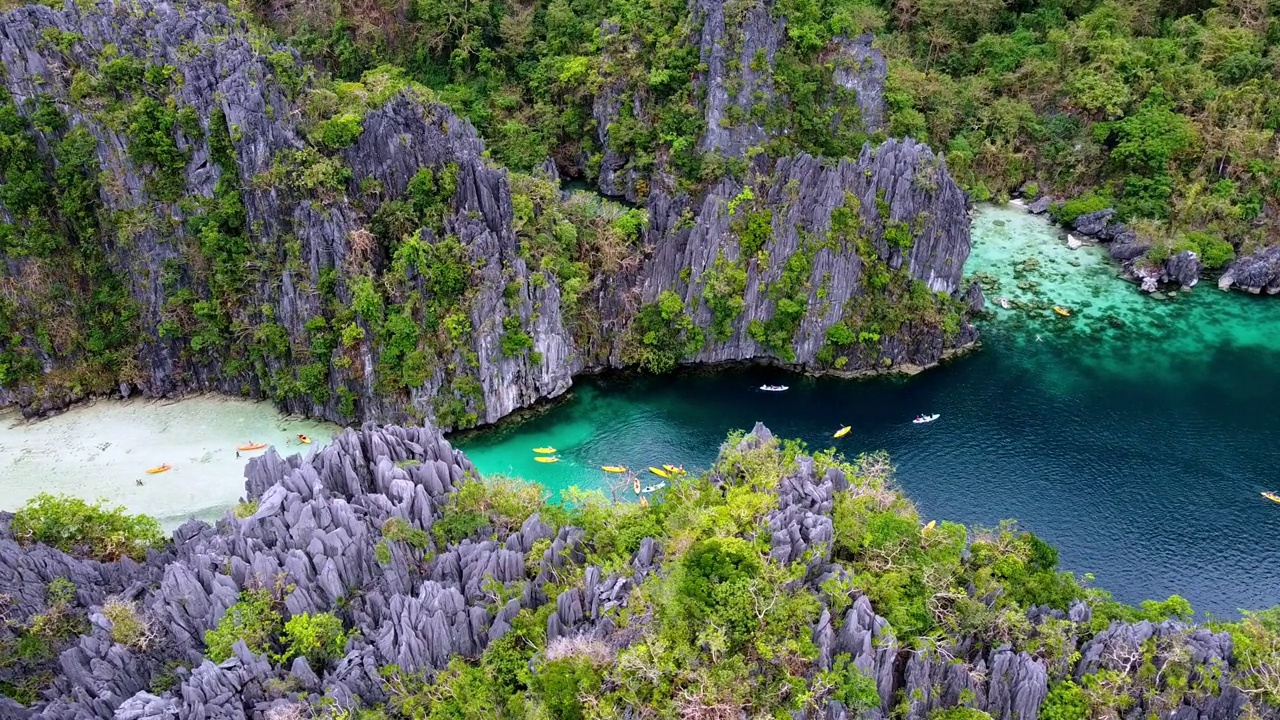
(89, 529)
(255, 619)
(662, 335)
(319, 638)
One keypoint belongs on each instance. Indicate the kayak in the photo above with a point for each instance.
(932, 524)
(547, 459)
(773, 388)
(304, 439)
(251, 446)
(1268, 495)
(613, 468)
(673, 470)
(1062, 311)
(159, 469)
(926, 419)
(843, 431)
(636, 484)
(660, 472)
(545, 450)
(654, 488)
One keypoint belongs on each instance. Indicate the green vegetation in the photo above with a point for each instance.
(723, 288)
(128, 624)
(663, 334)
(88, 529)
(727, 626)
(319, 638)
(255, 619)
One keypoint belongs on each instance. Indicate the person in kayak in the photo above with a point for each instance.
(304, 438)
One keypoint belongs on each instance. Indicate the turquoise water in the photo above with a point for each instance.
(1135, 435)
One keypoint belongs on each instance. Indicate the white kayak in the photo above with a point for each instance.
(926, 419)
(773, 388)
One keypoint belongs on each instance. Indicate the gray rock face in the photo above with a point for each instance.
(1093, 223)
(1128, 250)
(319, 526)
(1183, 269)
(1040, 205)
(1254, 273)
(801, 194)
(738, 46)
(226, 75)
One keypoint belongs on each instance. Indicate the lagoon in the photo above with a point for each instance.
(1134, 435)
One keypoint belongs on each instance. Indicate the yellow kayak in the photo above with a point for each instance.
(545, 450)
(672, 470)
(613, 468)
(932, 524)
(547, 459)
(1062, 311)
(251, 446)
(159, 469)
(660, 472)
(843, 431)
(1268, 495)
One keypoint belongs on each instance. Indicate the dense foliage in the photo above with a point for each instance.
(1165, 110)
(81, 528)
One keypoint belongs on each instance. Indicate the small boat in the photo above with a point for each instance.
(251, 446)
(1268, 495)
(613, 468)
(672, 470)
(547, 459)
(929, 528)
(654, 488)
(843, 431)
(644, 501)
(545, 450)
(635, 485)
(1062, 311)
(926, 419)
(159, 469)
(304, 439)
(660, 473)
(773, 388)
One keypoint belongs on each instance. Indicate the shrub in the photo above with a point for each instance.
(339, 132)
(1066, 701)
(319, 638)
(563, 683)
(1082, 205)
(254, 619)
(80, 528)
(129, 626)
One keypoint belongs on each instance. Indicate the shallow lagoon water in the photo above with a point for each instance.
(99, 451)
(1135, 435)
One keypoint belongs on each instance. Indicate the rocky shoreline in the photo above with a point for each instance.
(1254, 273)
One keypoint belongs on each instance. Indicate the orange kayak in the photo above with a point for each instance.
(251, 446)
(159, 469)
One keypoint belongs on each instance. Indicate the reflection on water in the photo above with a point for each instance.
(100, 451)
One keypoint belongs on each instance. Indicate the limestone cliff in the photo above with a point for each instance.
(324, 533)
(219, 217)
